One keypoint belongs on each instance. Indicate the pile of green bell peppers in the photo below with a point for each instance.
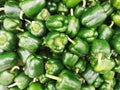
(59, 44)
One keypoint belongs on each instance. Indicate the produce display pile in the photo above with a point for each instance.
(59, 44)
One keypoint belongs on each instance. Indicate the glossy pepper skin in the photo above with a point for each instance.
(43, 15)
(88, 34)
(72, 31)
(88, 87)
(2, 87)
(6, 77)
(34, 66)
(7, 60)
(28, 41)
(109, 75)
(15, 88)
(69, 59)
(33, 7)
(94, 16)
(36, 28)
(56, 41)
(116, 18)
(11, 9)
(79, 47)
(53, 66)
(115, 4)
(57, 23)
(35, 86)
(23, 54)
(90, 75)
(71, 3)
(6, 41)
(22, 80)
(98, 82)
(11, 24)
(105, 32)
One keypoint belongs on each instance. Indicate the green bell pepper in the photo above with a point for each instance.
(36, 28)
(23, 55)
(115, 4)
(53, 66)
(21, 81)
(7, 60)
(43, 15)
(90, 75)
(35, 86)
(33, 7)
(28, 41)
(69, 59)
(34, 66)
(11, 24)
(57, 23)
(71, 3)
(7, 41)
(56, 41)
(116, 18)
(79, 47)
(66, 81)
(94, 16)
(88, 34)
(73, 26)
(105, 32)
(109, 75)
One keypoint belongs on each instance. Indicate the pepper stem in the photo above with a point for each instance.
(84, 3)
(99, 58)
(71, 11)
(70, 40)
(14, 68)
(2, 8)
(35, 79)
(53, 77)
(77, 70)
(111, 25)
(62, 13)
(19, 29)
(28, 21)
(12, 85)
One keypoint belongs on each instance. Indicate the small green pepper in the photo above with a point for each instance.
(33, 7)
(69, 59)
(28, 41)
(71, 3)
(11, 24)
(7, 60)
(90, 75)
(56, 41)
(79, 47)
(35, 86)
(34, 66)
(57, 23)
(36, 28)
(94, 16)
(7, 41)
(66, 81)
(73, 26)
(88, 34)
(53, 66)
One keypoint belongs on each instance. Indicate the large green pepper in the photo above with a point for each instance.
(69, 59)
(88, 34)
(105, 32)
(73, 26)
(66, 81)
(34, 66)
(90, 75)
(7, 41)
(94, 16)
(21, 80)
(35, 86)
(28, 41)
(57, 23)
(36, 28)
(79, 47)
(71, 3)
(33, 7)
(53, 66)
(7, 60)
(56, 41)
(11, 24)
